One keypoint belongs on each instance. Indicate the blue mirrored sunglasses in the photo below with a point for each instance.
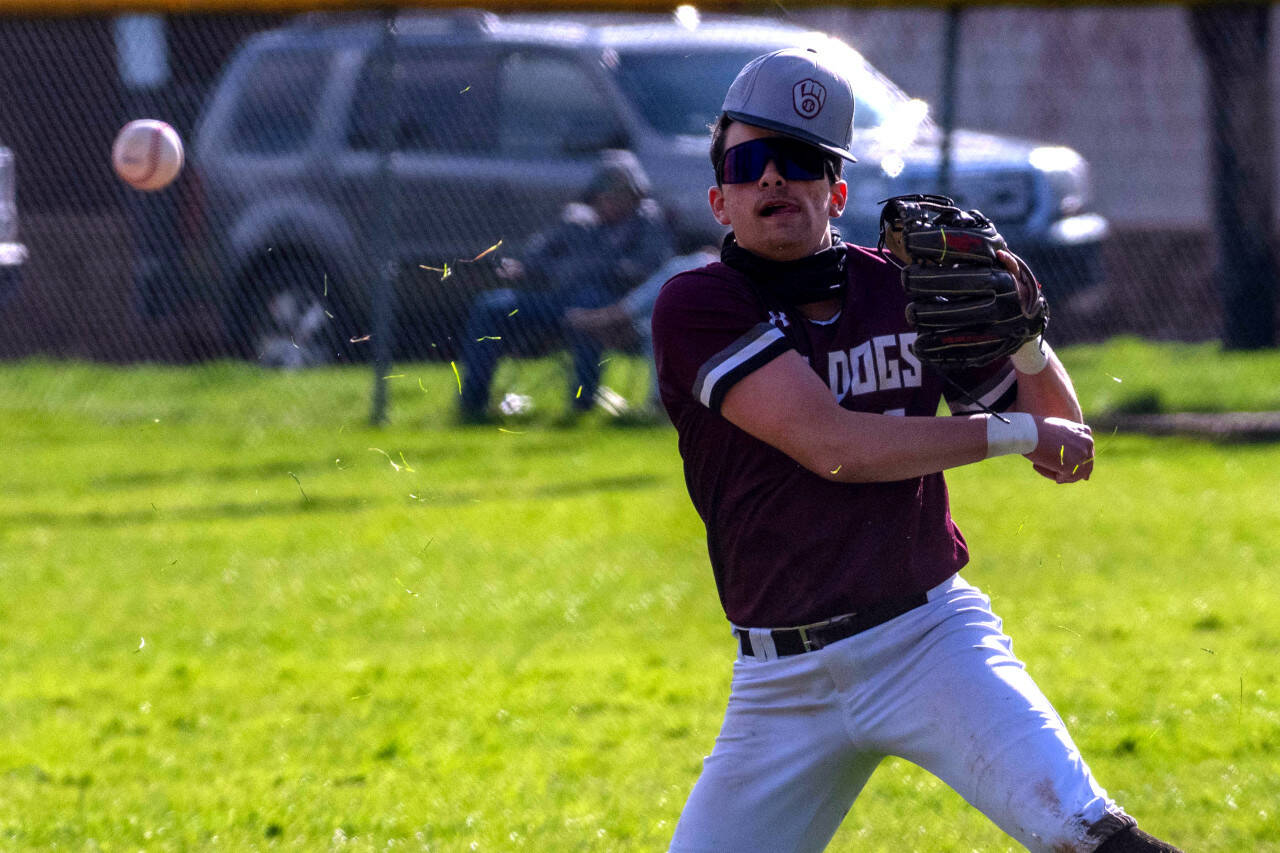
(794, 160)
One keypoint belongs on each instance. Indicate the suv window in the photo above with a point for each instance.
(443, 103)
(549, 103)
(276, 112)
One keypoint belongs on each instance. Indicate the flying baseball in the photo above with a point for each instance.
(147, 154)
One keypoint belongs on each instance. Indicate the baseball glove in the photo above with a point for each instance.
(966, 306)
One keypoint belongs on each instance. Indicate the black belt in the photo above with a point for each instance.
(810, 638)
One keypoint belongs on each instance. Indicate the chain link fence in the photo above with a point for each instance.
(356, 181)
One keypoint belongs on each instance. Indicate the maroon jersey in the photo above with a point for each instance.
(787, 546)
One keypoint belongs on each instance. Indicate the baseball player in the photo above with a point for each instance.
(811, 451)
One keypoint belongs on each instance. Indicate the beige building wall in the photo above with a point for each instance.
(1122, 85)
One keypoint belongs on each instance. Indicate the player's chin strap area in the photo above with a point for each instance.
(815, 278)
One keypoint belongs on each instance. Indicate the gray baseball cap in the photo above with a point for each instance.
(796, 92)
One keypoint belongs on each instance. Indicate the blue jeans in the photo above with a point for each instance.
(525, 323)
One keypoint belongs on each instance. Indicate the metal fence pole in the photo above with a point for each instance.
(1233, 41)
(947, 116)
(382, 245)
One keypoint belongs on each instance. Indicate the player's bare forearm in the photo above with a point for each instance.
(786, 405)
(1049, 393)
(1065, 454)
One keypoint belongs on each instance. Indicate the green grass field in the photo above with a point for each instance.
(236, 617)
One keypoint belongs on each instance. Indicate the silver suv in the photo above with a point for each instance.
(336, 141)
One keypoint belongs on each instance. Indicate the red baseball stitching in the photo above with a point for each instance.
(153, 156)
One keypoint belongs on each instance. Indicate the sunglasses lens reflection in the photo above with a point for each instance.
(794, 160)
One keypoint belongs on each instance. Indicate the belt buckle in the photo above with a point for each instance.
(812, 643)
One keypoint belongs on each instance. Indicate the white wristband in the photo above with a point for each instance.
(1019, 435)
(1032, 357)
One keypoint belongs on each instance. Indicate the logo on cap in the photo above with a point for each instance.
(807, 97)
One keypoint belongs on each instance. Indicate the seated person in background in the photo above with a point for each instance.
(626, 323)
(603, 246)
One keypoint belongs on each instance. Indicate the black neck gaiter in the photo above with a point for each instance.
(814, 278)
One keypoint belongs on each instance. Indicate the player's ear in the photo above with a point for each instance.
(839, 198)
(715, 196)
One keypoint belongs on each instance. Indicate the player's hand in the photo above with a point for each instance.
(1065, 451)
(1010, 263)
(586, 319)
(510, 269)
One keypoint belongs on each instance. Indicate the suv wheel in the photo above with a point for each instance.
(289, 314)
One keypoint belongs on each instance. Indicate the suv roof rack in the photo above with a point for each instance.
(474, 20)
(459, 20)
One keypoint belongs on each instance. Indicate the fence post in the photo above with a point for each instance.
(1232, 38)
(383, 245)
(947, 111)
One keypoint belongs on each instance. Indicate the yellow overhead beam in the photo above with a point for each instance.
(39, 8)
(83, 7)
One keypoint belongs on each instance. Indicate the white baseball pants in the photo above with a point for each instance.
(938, 686)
